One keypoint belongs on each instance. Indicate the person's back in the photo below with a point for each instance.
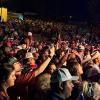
(56, 96)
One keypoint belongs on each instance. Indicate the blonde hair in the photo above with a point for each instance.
(71, 56)
(91, 91)
(96, 92)
(43, 81)
(77, 67)
(74, 68)
(85, 87)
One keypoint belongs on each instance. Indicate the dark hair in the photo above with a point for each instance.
(74, 69)
(20, 55)
(58, 52)
(44, 49)
(5, 71)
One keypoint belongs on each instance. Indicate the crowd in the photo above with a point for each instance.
(49, 60)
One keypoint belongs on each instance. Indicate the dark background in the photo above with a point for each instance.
(79, 9)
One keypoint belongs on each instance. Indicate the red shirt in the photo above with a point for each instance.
(21, 85)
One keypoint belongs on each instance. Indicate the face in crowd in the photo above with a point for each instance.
(11, 79)
(7, 76)
(52, 68)
(18, 68)
(67, 88)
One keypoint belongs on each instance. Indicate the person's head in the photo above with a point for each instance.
(23, 46)
(61, 82)
(7, 50)
(16, 64)
(20, 55)
(86, 59)
(7, 76)
(27, 42)
(60, 53)
(71, 56)
(75, 69)
(30, 34)
(96, 91)
(43, 82)
(96, 57)
(45, 51)
(52, 68)
(30, 58)
(81, 48)
(91, 90)
(64, 45)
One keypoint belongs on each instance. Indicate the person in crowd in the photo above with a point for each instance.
(96, 60)
(43, 54)
(76, 69)
(31, 40)
(61, 84)
(42, 87)
(26, 77)
(51, 68)
(90, 91)
(30, 61)
(60, 58)
(7, 79)
(81, 50)
(93, 70)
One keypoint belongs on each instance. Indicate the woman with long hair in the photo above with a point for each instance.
(7, 79)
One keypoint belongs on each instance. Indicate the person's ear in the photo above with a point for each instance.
(61, 86)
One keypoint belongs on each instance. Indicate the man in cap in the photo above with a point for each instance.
(30, 37)
(81, 50)
(30, 60)
(16, 64)
(61, 84)
(96, 60)
(25, 79)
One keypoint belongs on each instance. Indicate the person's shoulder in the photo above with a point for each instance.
(55, 96)
(2, 96)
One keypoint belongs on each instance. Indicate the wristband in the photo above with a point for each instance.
(50, 56)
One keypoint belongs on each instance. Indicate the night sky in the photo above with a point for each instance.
(56, 8)
(59, 7)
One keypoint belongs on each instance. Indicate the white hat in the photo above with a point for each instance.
(19, 47)
(29, 55)
(62, 74)
(95, 55)
(86, 58)
(29, 33)
(81, 47)
(15, 32)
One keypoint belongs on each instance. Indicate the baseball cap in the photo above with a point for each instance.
(95, 55)
(15, 33)
(62, 74)
(29, 33)
(29, 55)
(8, 49)
(19, 47)
(12, 60)
(81, 47)
(86, 58)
